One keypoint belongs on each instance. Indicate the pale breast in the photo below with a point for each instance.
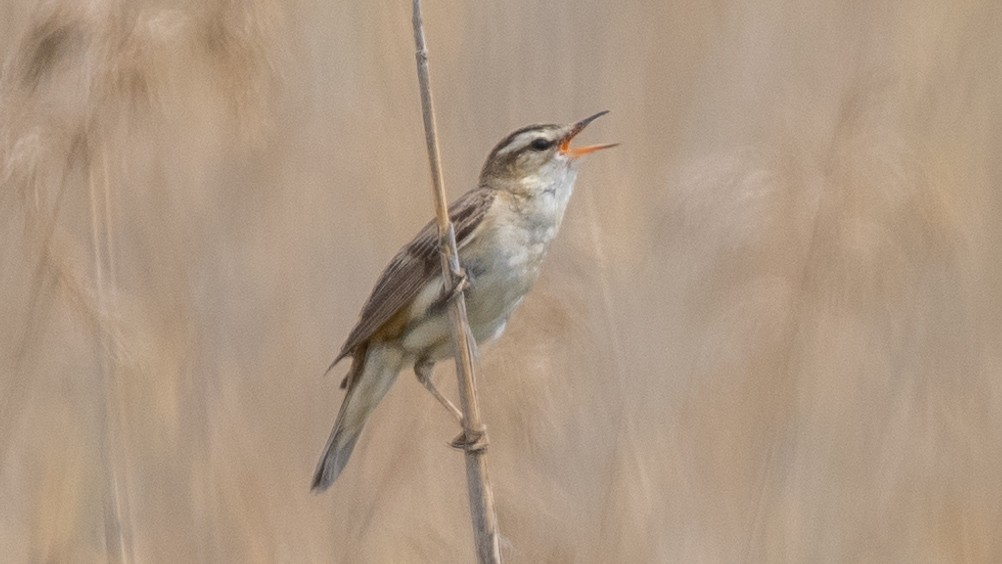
(504, 261)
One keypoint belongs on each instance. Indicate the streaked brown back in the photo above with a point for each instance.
(413, 267)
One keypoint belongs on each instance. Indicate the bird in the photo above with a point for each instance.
(503, 228)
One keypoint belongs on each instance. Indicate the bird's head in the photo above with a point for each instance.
(537, 157)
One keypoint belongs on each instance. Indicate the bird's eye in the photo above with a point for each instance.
(540, 144)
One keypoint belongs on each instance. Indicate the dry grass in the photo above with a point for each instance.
(769, 332)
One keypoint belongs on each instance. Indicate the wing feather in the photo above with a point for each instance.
(413, 267)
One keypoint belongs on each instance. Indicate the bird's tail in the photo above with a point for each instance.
(379, 367)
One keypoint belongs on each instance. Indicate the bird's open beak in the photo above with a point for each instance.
(575, 152)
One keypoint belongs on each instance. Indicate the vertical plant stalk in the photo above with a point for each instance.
(116, 512)
(485, 522)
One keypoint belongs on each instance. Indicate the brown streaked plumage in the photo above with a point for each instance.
(412, 268)
(503, 229)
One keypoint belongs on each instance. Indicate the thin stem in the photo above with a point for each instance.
(116, 514)
(485, 527)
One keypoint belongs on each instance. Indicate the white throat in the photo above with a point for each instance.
(547, 194)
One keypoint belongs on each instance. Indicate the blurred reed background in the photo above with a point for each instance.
(769, 332)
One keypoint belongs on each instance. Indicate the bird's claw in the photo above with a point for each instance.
(462, 283)
(475, 443)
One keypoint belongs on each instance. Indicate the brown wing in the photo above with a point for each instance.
(413, 266)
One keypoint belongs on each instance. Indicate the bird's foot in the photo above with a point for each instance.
(462, 283)
(475, 442)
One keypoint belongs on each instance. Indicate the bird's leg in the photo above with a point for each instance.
(458, 274)
(424, 370)
(462, 283)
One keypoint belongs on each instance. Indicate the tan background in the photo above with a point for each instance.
(769, 331)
